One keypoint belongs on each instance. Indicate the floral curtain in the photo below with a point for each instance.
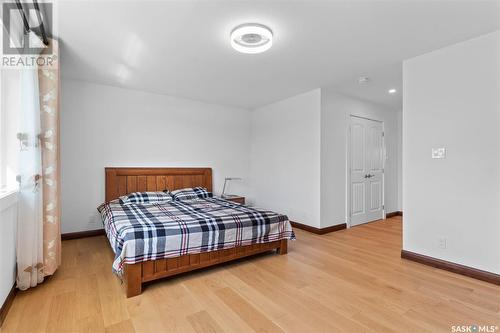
(39, 240)
(48, 81)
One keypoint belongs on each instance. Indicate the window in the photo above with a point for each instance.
(9, 110)
(2, 138)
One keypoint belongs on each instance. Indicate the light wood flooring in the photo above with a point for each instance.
(347, 281)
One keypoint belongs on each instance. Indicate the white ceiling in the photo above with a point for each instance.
(181, 48)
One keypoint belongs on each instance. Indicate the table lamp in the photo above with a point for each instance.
(225, 183)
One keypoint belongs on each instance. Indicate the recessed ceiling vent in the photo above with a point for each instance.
(251, 38)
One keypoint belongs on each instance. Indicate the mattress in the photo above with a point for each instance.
(142, 232)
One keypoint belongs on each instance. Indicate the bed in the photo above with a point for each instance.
(158, 240)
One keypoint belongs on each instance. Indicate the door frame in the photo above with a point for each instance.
(348, 167)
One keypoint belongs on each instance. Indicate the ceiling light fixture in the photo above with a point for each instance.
(251, 38)
(392, 91)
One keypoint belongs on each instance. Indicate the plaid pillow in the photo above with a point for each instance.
(190, 193)
(145, 197)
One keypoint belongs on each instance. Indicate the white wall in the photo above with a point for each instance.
(400, 159)
(452, 100)
(285, 155)
(8, 227)
(107, 126)
(291, 154)
(299, 148)
(336, 110)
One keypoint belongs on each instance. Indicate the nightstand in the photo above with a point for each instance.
(235, 198)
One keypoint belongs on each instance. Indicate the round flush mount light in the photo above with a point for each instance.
(392, 91)
(251, 38)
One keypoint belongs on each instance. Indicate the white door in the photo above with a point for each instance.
(367, 170)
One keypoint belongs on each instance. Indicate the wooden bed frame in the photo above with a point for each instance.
(121, 181)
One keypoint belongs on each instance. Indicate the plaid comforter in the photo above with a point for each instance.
(141, 232)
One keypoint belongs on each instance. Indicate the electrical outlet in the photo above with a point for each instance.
(442, 243)
(438, 153)
(92, 220)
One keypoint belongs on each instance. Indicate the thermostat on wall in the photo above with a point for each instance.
(438, 152)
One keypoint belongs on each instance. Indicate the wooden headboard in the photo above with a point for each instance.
(121, 181)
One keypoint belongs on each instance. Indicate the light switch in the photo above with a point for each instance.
(438, 152)
(442, 243)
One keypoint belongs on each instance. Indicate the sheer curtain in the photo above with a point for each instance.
(38, 230)
(30, 209)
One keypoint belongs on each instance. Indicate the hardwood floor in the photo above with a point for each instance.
(352, 280)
